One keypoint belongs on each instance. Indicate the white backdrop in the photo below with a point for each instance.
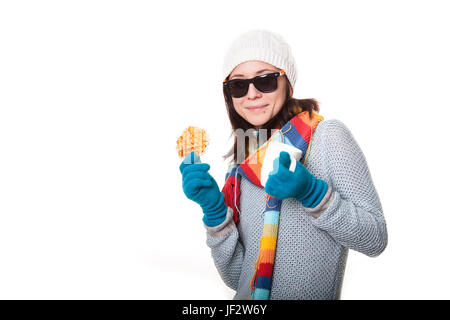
(93, 95)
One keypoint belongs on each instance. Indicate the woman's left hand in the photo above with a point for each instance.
(300, 184)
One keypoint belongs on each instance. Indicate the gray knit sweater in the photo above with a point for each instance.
(312, 244)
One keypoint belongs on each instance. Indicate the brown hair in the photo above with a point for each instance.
(290, 108)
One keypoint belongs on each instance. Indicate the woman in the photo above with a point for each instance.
(284, 235)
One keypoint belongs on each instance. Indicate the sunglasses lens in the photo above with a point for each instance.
(238, 88)
(267, 83)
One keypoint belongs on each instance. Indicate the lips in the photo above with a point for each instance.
(257, 108)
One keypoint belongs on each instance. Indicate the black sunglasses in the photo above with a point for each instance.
(264, 83)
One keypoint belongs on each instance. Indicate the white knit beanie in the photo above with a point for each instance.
(261, 45)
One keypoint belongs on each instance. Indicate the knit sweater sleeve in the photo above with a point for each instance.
(353, 216)
(226, 250)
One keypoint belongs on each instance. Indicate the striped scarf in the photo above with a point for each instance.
(297, 132)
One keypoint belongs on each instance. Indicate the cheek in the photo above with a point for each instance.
(237, 103)
(278, 102)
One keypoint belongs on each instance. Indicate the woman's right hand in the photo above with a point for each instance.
(200, 187)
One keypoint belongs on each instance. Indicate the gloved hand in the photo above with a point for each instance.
(200, 186)
(300, 184)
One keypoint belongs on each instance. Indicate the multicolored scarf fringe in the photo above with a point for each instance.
(296, 132)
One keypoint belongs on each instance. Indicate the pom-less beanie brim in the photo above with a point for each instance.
(261, 45)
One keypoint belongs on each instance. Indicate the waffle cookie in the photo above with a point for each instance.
(192, 139)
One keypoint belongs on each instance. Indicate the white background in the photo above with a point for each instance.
(94, 94)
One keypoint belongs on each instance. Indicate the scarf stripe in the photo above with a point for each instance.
(262, 278)
(295, 139)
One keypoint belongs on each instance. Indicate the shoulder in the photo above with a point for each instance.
(333, 131)
(331, 126)
(333, 136)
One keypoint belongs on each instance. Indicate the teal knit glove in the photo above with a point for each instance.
(300, 184)
(200, 187)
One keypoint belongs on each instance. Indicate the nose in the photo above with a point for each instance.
(253, 92)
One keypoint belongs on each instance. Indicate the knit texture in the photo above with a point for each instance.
(261, 45)
(312, 243)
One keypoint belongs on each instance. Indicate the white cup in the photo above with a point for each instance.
(272, 152)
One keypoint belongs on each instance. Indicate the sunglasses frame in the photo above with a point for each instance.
(252, 80)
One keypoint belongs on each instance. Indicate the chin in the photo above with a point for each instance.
(258, 122)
